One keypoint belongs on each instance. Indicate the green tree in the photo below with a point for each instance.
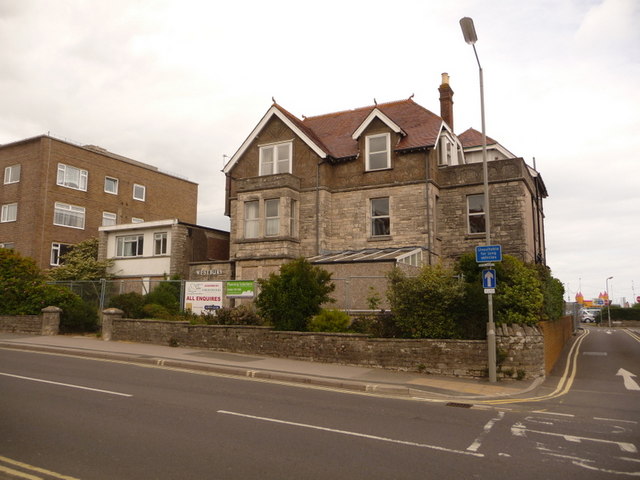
(21, 284)
(288, 299)
(23, 291)
(426, 306)
(81, 263)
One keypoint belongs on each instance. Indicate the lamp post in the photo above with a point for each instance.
(469, 33)
(608, 300)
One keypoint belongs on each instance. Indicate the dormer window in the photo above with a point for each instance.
(275, 158)
(378, 153)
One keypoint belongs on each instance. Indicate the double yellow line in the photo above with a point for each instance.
(28, 472)
(633, 335)
(564, 385)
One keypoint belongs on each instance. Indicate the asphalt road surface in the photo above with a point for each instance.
(73, 418)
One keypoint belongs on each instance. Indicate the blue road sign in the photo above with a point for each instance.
(489, 278)
(488, 253)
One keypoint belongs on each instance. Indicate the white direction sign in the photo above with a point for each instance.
(629, 383)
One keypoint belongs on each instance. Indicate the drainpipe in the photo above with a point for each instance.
(318, 207)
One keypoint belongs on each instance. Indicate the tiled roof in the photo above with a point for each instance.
(334, 130)
(473, 138)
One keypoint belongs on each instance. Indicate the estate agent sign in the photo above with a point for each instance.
(202, 297)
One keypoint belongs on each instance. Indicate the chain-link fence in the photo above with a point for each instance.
(361, 293)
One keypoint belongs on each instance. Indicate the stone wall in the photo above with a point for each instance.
(460, 358)
(47, 323)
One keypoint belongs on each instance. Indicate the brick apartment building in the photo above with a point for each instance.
(55, 194)
(364, 190)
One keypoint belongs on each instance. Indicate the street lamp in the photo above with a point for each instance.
(469, 33)
(608, 300)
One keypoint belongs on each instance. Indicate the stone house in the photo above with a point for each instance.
(55, 194)
(363, 190)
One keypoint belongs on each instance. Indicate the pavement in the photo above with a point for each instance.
(375, 381)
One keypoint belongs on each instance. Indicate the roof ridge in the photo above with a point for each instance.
(369, 107)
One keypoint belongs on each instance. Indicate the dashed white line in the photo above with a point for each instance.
(79, 387)
(353, 434)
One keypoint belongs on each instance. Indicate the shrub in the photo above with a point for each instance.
(153, 310)
(130, 303)
(77, 315)
(288, 299)
(166, 294)
(424, 306)
(378, 325)
(330, 321)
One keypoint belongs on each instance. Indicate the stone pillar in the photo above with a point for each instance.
(51, 320)
(108, 316)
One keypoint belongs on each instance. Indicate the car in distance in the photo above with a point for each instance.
(589, 315)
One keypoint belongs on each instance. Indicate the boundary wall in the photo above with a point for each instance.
(522, 348)
(47, 323)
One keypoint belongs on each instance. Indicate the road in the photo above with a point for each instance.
(73, 418)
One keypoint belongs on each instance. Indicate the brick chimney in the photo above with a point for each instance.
(446, 100)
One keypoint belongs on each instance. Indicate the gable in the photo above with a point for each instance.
(291, 122)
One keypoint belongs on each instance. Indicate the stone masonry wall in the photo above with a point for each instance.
(461, 358)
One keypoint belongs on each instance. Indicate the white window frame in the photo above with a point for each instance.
(369, 152)
(12, 174)
(109, 219)
(129, 240)
(275, 165)
(160, 243)
(8, 245)
(65, 172)
(137, 220)
(271, 221)
(251, 222)
(376, 218)
(111, 181)
(9, 213)
(471, 215)
(57, 253)
(68, 212)
(144, 192)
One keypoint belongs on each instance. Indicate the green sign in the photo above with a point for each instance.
(240, 288)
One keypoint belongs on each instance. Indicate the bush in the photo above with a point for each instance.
(130, 303)
(378, 325)
(425, 306)
(289, 299)
(21, 285)
(240, 315)
(77, 315)
(330, 321)
(166, 294)
(153, 310)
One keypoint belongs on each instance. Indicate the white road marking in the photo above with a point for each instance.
(629, 382)
(477, 443)
(520, 430)
(80, 387)
(353, 434)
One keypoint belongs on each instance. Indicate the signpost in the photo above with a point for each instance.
(486, 255)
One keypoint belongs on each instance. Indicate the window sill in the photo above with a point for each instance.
(380, 238)
(268, 239)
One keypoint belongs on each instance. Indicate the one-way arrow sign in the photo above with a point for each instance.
(629, 383)
(489, 278)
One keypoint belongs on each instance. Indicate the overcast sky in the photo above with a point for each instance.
(180, 83)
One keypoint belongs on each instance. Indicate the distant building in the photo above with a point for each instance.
(363, 190)
(55, 194)
(158, 250)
